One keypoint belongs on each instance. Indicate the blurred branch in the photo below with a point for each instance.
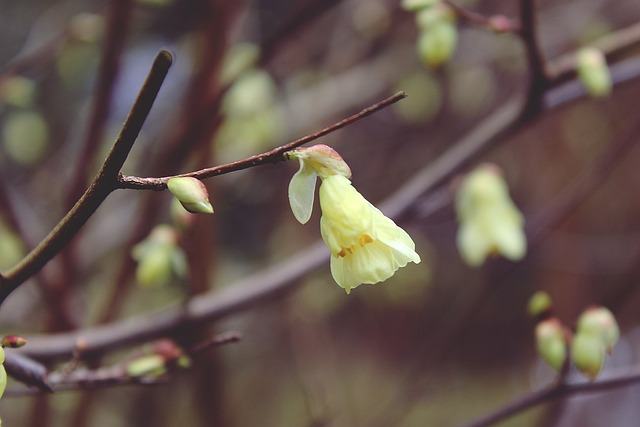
(118, 17)
(497, 23)
(273, 156)
(538, 81)
(554, 392)
(102, 186)
(613, 45)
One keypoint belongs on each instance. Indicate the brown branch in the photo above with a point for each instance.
(272, 156)
(538, 81)
(555, 392)
(102, 186)
(493, 23)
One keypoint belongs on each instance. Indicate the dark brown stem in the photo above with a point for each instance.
(538, 81)
(274, 156)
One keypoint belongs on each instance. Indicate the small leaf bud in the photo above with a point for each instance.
(587, 353)
(437, 43)
(551, 342)
(191, 193)
(500, 24)
(593, 72)
(600, 321)
(149, 365)
(539, 303)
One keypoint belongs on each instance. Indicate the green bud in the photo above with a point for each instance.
(2, 356)
(551, 342)
(437, 43)
(149, 365)
(156, 256)
(587, 353)
(155, 268)
(191, 193)
(416, 5)
(3, 379)
(593, 72)
(601, 322)
(539, 303)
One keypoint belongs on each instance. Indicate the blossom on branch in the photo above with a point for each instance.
(366, 246)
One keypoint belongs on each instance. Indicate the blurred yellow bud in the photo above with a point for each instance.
(587, 353)
(490, 222)
(159, 257)
(437, 44)
(551, 342)
(191, 193)
(539, 303)
(148, 365)
(599, 321)
(593, 71)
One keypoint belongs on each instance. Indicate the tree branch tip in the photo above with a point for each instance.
(166, 56)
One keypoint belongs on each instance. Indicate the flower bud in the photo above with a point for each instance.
(551, 342)
(191, 193)
(148, 365)
(323, 159)
(437, 43)
(318, 160)
(593, 71)
(539, 303)
(600, 321)
(13, 341)
(587, 353)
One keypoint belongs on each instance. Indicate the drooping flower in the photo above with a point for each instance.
(490, 222)
(366, 246)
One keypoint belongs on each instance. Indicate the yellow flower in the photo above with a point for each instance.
(366, 246)
(490, 222)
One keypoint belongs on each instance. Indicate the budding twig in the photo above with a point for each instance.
(272, 156)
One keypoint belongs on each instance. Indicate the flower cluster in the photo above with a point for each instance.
(366, 246)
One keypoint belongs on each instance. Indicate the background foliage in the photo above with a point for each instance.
(439, 343)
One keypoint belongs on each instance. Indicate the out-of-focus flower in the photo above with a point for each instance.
(490, 222)
(366, 246)
(159, 257)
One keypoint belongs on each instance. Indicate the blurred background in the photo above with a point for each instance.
(440, 343)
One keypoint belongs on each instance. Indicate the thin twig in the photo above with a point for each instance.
(273, 156)
(102, 186)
